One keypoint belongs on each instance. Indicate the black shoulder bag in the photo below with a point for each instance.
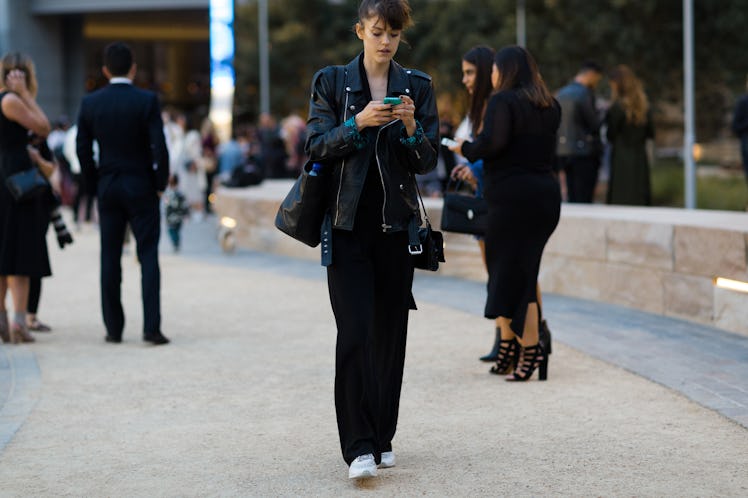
(426, 244)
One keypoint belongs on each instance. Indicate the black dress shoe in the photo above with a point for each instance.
(112, 339)
(156, 339)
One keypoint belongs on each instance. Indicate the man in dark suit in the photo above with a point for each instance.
(132, 173)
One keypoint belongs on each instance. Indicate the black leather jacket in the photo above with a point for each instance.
(579, 132)
(337, 96)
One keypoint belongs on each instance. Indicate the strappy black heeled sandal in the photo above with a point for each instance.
(545, 337)
(530, 358)
(508, 353)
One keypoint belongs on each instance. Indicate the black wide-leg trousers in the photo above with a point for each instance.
(370, 282)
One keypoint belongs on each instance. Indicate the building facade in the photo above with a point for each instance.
(66, 39)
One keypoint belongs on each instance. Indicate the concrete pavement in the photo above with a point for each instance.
(240, 404)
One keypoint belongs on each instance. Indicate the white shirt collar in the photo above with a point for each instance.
(120, 79)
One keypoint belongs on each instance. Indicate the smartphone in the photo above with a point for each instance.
(448, 142)
(392, 100)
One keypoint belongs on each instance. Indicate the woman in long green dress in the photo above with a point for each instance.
(629, 123)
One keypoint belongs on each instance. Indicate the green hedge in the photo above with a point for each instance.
(718, 191)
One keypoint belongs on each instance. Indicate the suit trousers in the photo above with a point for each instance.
(581, 177)
(370, 282)
(124, 199)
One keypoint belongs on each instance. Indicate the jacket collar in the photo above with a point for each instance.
(398, 84)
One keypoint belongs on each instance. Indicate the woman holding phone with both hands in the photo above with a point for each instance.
(370, 150)
(517, 144)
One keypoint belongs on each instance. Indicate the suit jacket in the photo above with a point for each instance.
(126, 123)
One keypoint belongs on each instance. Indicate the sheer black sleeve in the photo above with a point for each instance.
(497, 130)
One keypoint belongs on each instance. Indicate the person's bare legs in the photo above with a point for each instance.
(3, 292)
(19, 291)
(493, 354)
(530, 332)
(4, 334)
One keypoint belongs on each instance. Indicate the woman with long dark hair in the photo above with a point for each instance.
(477, 65)
(517, 144)
(370, 151)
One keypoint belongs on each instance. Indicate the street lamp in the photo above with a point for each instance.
(688, 102)
(521, 24)
(262, 6)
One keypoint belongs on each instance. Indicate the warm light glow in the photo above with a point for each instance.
(212, 198)
(228, 222)
(735, 285)
(698, 152)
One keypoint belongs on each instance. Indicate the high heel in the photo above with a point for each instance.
(545, 337)
(507, 357)
(4, 332)
(19, 334)
(494, 354)
(530, 358)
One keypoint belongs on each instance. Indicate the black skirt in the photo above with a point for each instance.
(23, 229)
(523, 212)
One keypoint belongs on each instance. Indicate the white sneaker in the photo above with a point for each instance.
(388, 459)
(363, 466)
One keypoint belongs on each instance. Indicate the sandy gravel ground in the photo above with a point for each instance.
(241, 404)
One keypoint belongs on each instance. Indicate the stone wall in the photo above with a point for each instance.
(654, 259)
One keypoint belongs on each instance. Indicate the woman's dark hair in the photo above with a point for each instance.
(396, 13)
(519, 71)
(482, 58)
(118, 58)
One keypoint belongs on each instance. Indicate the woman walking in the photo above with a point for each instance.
(370, 152)
(517, 144)
(23, 247)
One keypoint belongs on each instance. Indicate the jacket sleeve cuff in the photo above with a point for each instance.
(359, 141)
(415, 140)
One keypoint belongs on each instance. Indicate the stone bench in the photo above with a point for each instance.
(659, 260)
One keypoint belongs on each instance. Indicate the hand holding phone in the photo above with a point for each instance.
(448, 142)
(392, 100)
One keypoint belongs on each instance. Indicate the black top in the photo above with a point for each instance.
(518, 137)
(13, 140)
(369, 209)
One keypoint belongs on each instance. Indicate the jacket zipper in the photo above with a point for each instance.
(342, 167)
(385, 226)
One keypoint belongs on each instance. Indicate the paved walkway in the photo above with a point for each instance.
(241, 403)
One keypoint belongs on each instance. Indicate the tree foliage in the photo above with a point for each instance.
(306, 35)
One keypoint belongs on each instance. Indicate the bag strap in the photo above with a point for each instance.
(414, 241)
(422, 206)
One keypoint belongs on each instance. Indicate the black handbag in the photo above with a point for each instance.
(430, 251)
(463, 213)
(301, 213)
(27, 185)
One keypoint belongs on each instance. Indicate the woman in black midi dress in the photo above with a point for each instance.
(23, 247)
(517, 145)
